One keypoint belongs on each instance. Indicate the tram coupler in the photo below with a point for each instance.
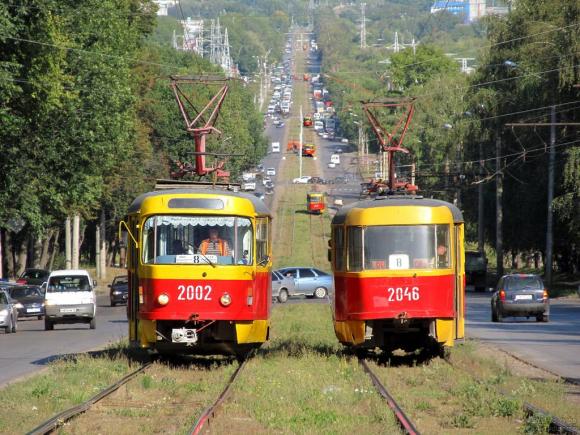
(402, 320)
(184, 335)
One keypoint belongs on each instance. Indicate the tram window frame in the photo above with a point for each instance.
(262, 240)
(360, 248)
(191, 236)
(354, 263)
(338, 247)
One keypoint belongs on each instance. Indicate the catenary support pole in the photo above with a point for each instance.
(498, 205)
(68, 243)
(550, 218)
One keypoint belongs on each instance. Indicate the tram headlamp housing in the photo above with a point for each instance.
(163, 299)
(226, 299)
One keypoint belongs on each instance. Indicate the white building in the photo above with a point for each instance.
(163, 6)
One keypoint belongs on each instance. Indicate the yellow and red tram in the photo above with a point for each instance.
(315, 202)
(199, 266)
(398, 264)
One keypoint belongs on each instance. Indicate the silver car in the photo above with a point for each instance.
(308, 281)
(282, 287)
(520, 295)
(8, 313)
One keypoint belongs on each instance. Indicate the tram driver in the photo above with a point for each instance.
(214, 244)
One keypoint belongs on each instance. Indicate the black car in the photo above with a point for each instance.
(475, 269)
(31, 300)
(520, 295)
(33, 277)
(119, 290)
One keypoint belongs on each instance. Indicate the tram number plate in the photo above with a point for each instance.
(398, 294)
(194, 292)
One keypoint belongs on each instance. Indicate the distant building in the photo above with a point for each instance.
(453, 7)
(163, 6)
(472, 10)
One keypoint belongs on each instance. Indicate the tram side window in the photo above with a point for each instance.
(355, 249)
(338, 240)
(262, 240)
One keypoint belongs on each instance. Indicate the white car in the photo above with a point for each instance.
(266, 180)
(302, 180)
(344, 140)
(332, 165)
(270, 171)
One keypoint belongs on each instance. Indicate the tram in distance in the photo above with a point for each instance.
(199, 263)
(398, 264)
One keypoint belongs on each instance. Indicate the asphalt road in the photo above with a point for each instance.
(32, 348)
(554, 346)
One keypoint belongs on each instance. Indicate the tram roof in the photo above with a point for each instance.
(397, 201)
(257, 203)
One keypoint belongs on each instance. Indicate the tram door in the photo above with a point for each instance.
(133, 300)
(459, 282)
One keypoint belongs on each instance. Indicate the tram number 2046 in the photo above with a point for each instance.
(194, 292)
(398, 294)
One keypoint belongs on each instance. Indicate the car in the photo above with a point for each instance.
(520, 295)
(260, 195)
(8, 313)
(317, 180)
(31, 299)
(266, 181)
(476, 270)
(119, 290)
(332, 165)
(282, 287)
(308, 281)
(340, 180)
(302, 180)
(338, 150)
(70, 298)
(344, 140)
(33, 276)
(280, 124)
(270, 171)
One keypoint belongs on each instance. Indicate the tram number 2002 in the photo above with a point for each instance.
(194, 293)
(399, 294)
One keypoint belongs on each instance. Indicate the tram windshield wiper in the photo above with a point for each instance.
(207, 259)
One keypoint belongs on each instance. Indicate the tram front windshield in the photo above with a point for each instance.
(399, 247)
(197, 240)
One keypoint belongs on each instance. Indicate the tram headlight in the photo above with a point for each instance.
(226, 299)
(162, 299)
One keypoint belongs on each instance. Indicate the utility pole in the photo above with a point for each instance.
(363, 27)
(498, 204)
(67, 243)
(76, 240)
(300, 149)
(550, 219)
(480, 204)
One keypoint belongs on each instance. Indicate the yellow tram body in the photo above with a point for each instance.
(225, 303)
(392, 289)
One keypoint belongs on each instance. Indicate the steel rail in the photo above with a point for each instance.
(557, 425)
(210, 412)
(402, 418)
(59, 419)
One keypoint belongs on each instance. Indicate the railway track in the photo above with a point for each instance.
(61, 418)
(403, 420)
(556, 425)
(204, 421)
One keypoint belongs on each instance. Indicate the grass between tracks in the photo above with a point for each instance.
(300, 382)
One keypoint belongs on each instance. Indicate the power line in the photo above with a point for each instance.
(93, 53)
